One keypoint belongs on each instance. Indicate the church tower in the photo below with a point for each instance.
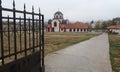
(58, 15)
(58, 19)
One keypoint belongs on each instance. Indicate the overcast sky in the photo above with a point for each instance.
(74, 10)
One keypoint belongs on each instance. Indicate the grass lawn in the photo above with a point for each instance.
(57, 41)
(53, 42)
(115, 52)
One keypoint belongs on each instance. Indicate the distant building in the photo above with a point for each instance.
(92, 25)
(114, 29)
(59, 24)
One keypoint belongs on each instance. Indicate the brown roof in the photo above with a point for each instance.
(62, 26)
(77, 25)
(113, 27)
(49, 26)
(71, 25)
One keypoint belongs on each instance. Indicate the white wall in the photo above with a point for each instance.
(68, 30)
(61, 30)
(56, 29)
(115, 30)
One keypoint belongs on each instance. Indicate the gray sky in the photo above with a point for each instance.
(74, 10)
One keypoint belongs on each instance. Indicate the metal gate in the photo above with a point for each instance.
(21, 40)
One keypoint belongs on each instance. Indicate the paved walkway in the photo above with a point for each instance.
(88, 56)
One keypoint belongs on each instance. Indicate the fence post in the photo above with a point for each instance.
(29, 32)
(14, 23)
(25, 30)
(43, 70)
(20, 34)
(8, 34)
(33, 28)
(40, 40)
(1, 33)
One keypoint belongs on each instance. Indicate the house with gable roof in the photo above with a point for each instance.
(114, 29)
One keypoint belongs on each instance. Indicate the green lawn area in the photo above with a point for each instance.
(115, 52)
(57, 41)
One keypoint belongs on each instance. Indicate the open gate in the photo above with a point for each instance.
(21, 40)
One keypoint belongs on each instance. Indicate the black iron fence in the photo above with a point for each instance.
(21, 40)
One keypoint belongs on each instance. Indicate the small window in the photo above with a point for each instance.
(61, 29)
(61, 17)
(70, 30)
(57, 17)
(74, 30)
(78, 30)
(84, 30)
(81, 30)
(55, 24)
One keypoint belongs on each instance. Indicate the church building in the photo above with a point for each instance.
(59, 24)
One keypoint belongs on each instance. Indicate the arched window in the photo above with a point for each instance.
(61, 17)
(57, 17)
(61, 29)
(55, 24)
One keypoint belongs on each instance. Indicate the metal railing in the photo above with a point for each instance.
(21, 37)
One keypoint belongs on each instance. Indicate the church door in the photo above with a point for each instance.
(64, 29)
(52, 29)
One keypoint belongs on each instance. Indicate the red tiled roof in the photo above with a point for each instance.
(62, 26)
(49, 26)
(113, 27)
(71, 25)
(77, 25)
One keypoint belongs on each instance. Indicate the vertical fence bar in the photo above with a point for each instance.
(20, 34)
(8, 35)
(25, 45)
(36, 33)
(1, 34)
(43, 43)
(40, 39)
(29, 31)
(14, 23)
(33, 29)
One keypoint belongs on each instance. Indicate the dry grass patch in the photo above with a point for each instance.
(57, 41)
(53, 42)
(8, 45)
(115, 52)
